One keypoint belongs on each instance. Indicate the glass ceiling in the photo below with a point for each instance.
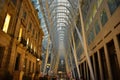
(57, 16)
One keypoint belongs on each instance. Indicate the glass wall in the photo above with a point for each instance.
(97, 27)
(113, 4)
(103, 18)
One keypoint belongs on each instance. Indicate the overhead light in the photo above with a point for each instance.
(59, 72)
(48, 64)
(38, 59)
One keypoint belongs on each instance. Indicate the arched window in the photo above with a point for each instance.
(103, 18)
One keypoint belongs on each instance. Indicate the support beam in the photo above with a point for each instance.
(46, 58)
(74, 54)
(85, 43)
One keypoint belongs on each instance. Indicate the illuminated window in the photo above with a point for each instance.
(34, 49)
(6, 23)
(31, 46)
(20, 34)
(27, 41)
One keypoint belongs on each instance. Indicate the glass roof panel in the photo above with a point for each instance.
(55, 16)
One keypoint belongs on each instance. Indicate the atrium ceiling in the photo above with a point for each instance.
(57, 20)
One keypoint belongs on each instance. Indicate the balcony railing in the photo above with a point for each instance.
(31, 51)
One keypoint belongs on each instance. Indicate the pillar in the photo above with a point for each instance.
(100, 65)
(117, 49)
(108, 63)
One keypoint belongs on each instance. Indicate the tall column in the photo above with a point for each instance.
(72, 67)
(87, 72)
(47, 55)
(27, 65)
(94, 66)
(117, 49)
(84, 70)
(75, 56)
(85, 43)
(108, 63)
(66, 63)
(100, 65)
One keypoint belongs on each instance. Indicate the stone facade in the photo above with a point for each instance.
(20, 43)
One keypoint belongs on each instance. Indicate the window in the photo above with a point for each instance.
(17, 62)
(104, 18)
(97, 28)
(6, 23)
(113, 4)
(20, 34)
(88, 39)
(27, 41)
(90, 36)
(31, 45)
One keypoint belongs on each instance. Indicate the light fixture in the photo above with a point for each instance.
(38, 59)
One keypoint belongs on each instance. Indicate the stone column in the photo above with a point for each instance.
(12, 56)
(4, 59)
(22, 58)
(27, 65)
